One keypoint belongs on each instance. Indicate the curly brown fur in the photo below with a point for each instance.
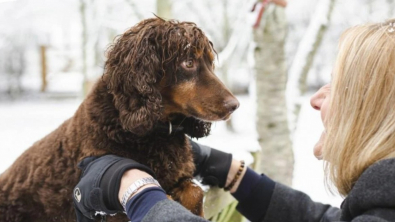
(156, 55)
(145, 85)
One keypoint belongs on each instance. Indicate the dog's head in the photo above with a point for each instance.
(160, 70)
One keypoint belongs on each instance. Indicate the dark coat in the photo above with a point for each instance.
(372, 199)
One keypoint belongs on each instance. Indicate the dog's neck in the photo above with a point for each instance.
(191, 126)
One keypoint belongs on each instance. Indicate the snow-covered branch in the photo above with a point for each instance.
(136, 10)
(239, 30)
(296, 85)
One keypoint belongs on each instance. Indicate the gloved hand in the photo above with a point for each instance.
(211, 165)
(97, 191)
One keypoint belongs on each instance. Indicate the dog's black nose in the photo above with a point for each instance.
(232, 104)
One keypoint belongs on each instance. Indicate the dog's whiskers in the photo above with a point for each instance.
(181, 122)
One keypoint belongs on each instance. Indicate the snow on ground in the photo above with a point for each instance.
(22, 123)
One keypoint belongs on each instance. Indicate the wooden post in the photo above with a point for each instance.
(43, 50)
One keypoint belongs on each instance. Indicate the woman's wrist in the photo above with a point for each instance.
(234, 168)
(131, 176)
(128, 178)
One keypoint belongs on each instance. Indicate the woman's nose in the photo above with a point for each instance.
(317, 99)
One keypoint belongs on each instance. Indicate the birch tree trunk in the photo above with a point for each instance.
(276, 156)
(391, 6)
(90, 11)
(163, 9)
(83, 13)
(304, 58)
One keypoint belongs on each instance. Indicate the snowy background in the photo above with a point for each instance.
(27, 115)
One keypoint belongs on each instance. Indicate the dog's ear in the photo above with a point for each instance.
(131, 73)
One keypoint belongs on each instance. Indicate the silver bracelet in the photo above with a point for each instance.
(132, 189)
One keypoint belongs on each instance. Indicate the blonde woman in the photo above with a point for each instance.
(358, 147)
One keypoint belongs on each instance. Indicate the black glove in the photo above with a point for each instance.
(97, 191)
(211, 164)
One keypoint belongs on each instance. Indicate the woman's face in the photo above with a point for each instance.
(320, 101)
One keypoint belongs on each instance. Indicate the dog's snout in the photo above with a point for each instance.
(232, 104)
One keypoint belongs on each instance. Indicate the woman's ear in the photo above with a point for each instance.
(132, 70)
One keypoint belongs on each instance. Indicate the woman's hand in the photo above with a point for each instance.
(215, 167)
(102, 182)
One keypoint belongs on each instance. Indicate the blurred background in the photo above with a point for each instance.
(272, 54)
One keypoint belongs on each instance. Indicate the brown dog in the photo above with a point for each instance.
(158, 87)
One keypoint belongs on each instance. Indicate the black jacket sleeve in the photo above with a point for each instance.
(170, 211)
(260, 200)
(286, 205)
(294, 206)
(370, 200)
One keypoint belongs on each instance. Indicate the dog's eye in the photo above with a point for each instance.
(189, 63)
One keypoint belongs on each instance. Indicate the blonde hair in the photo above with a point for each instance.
(361, 119)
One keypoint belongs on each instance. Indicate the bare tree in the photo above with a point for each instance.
(13, 63)
(15, 67)
(276, 157)
(91, 52)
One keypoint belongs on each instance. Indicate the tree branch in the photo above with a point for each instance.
(304, 58)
